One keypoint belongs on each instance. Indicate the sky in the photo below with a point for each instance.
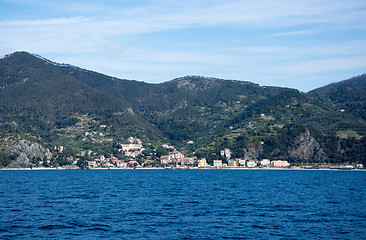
(302, 44)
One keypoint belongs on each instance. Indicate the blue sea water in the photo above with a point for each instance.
(182, 204)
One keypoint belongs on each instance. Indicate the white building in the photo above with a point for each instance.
(265, 162)
(241, 162)
(131, 146)
(251, 164)
(227, 153)
(217, 163)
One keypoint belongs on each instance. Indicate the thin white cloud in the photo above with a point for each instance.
(293, 33)
(44, 22)
(322, 65)
(264, 13)
(125, 37)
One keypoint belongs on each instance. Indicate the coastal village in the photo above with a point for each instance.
(133, 155)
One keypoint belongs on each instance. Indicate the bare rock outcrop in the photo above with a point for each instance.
(25, 150)
(306, 147)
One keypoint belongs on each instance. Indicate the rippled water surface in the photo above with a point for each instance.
(182, 204)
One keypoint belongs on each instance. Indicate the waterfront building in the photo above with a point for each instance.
(241, 162)
(188, 160)
(280, 163)
(92, 164)
(251, 164)
(202, 163)
(232, 163)
(265, 162)
(165, 159)
(217, 163)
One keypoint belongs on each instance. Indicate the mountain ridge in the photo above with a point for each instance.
(57, 103)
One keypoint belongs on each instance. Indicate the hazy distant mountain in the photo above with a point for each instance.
(58, 103)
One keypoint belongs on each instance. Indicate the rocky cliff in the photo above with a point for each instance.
(307, 148)
(26, 151)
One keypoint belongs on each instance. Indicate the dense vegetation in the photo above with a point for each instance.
(57, 105)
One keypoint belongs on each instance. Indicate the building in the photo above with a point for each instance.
(92, 164)
(217, 163)
(165, 159)
(86, 153)
(131, 146)
(232, 163)
(265, 162)
(202, 163)
(176, 155)
(241, 162)
(167, 146)
(59, 149)
(251, 164)
(227, 153)
(280, 163)
(188, 160)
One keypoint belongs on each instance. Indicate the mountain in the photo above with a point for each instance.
(59, 105)
(348, 95)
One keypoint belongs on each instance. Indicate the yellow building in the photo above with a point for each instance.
(202, 163)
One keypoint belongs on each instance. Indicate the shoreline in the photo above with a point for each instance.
(161, 168)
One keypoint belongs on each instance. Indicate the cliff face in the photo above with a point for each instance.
(253, 151)
(307, 148)
(26, 152)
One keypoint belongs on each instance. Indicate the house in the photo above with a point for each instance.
(92, 164)
(131, 146)
(86, 153)
(227, 153)
(118, 163)
(59, 149)
(167, 146)
(280, 163)
(241, 162)
(202, 163)
(165, 159)
(188, 160)
(265, 162)
(222, 153)
(251, 164)
(217, 163)
(176, 155)
(232, 163)
(133, 163)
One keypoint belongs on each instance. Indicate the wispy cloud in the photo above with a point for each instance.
(285, 36)
(322, 65)
(293, 33)
(44, 22)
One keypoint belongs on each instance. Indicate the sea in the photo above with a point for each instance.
(182, 204)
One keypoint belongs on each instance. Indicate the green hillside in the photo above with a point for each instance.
(59, 105)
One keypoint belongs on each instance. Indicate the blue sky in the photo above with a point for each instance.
(302, 44)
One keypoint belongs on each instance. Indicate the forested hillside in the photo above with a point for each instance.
(57, 104)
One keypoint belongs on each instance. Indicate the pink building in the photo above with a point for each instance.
(280, 163)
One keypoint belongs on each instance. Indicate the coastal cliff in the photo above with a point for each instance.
(25, 152)
(306, 147)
